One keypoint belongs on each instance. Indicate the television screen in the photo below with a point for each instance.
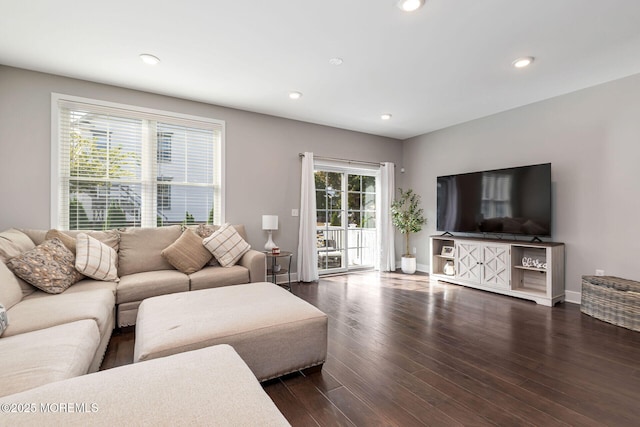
(510, 201)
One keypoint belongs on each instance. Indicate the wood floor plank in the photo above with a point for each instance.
(319, 407)
(406, 351)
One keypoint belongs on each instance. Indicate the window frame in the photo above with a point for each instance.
(159, 115)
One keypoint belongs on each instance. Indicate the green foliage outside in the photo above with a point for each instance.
(90, 165)
(116, 217)
(407, 215)
(188, 219)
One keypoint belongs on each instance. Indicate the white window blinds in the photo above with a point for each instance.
(121, 166)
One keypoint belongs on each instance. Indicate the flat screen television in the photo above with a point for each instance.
(503, 201)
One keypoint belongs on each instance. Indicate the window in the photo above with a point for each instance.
(164, 194)
(164, 147)
(124, 166)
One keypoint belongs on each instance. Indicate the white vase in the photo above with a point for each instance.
(408, 265)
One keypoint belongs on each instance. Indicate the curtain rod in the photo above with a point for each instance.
(362, 162)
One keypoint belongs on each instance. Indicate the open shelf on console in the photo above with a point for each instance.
(438, 260)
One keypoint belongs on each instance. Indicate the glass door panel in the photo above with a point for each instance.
(330, 226)
(346, 233)
(361, 232)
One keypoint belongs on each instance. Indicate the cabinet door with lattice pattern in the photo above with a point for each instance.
(468, 256)
(495, 265)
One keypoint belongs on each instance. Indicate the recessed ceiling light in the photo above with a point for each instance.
(523, 62)
(410, 5)
(336, 61)
(386, 116)
(149, 59)
(295, 95)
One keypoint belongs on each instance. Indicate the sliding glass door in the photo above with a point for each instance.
(346, 228)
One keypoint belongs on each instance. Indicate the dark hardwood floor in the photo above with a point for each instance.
(404, 351)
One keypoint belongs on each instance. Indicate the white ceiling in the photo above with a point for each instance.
(447, 63)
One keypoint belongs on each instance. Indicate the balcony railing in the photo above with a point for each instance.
(360, 245)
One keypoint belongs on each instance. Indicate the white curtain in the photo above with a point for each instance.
(307, 252)
(386, 236)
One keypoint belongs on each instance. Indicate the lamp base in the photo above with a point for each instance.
(270, 243)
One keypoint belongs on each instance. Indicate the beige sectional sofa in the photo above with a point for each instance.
(53, 337)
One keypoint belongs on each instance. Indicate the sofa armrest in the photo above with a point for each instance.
(256, 262)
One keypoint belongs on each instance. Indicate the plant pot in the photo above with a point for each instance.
(408, 264)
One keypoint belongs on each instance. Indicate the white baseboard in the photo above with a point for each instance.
(283, 279)
(423, 268)
(573, 297)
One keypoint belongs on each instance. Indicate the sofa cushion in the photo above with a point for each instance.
(53, 354)
(38, 311)
(110, 238)
(214, 277)
(95, 259)
(187, 254)
(36, 235)
(226, 245)
(49, 266)
(138, 286)
(67, 240)
(12, 243)
(141, 248)
(85, 285)
(10, 292)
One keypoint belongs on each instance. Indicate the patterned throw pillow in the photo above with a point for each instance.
(187, 254)
(95, 259)
(226, 245)
(49, 267)
(4, 320)
(204, 231)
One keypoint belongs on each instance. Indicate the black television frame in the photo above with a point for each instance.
(487, 230)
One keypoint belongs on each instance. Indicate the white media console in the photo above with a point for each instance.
(497, 265)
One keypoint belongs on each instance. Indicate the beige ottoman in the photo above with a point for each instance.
(208, 387)
(273, 331)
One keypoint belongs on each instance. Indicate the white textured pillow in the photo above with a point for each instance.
(4, 320)
(95, 259)
(226, 245)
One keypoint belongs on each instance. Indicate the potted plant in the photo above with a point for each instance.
(408, 217)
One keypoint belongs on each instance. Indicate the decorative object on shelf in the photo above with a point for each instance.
(447, 251)
(408, 217)
(270, 223)
(534, 263)
(449, 268)
(276, 268)
(275, 250)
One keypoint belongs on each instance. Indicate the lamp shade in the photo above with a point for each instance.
(269, 222)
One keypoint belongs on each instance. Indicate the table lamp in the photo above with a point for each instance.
(270, 223)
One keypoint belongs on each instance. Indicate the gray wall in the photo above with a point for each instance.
(262, 164)
(592, 139)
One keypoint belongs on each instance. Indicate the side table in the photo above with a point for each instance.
(274, 269)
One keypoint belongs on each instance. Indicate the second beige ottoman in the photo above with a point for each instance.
(273, 331)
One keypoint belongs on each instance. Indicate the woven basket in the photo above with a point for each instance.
(612, 299)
